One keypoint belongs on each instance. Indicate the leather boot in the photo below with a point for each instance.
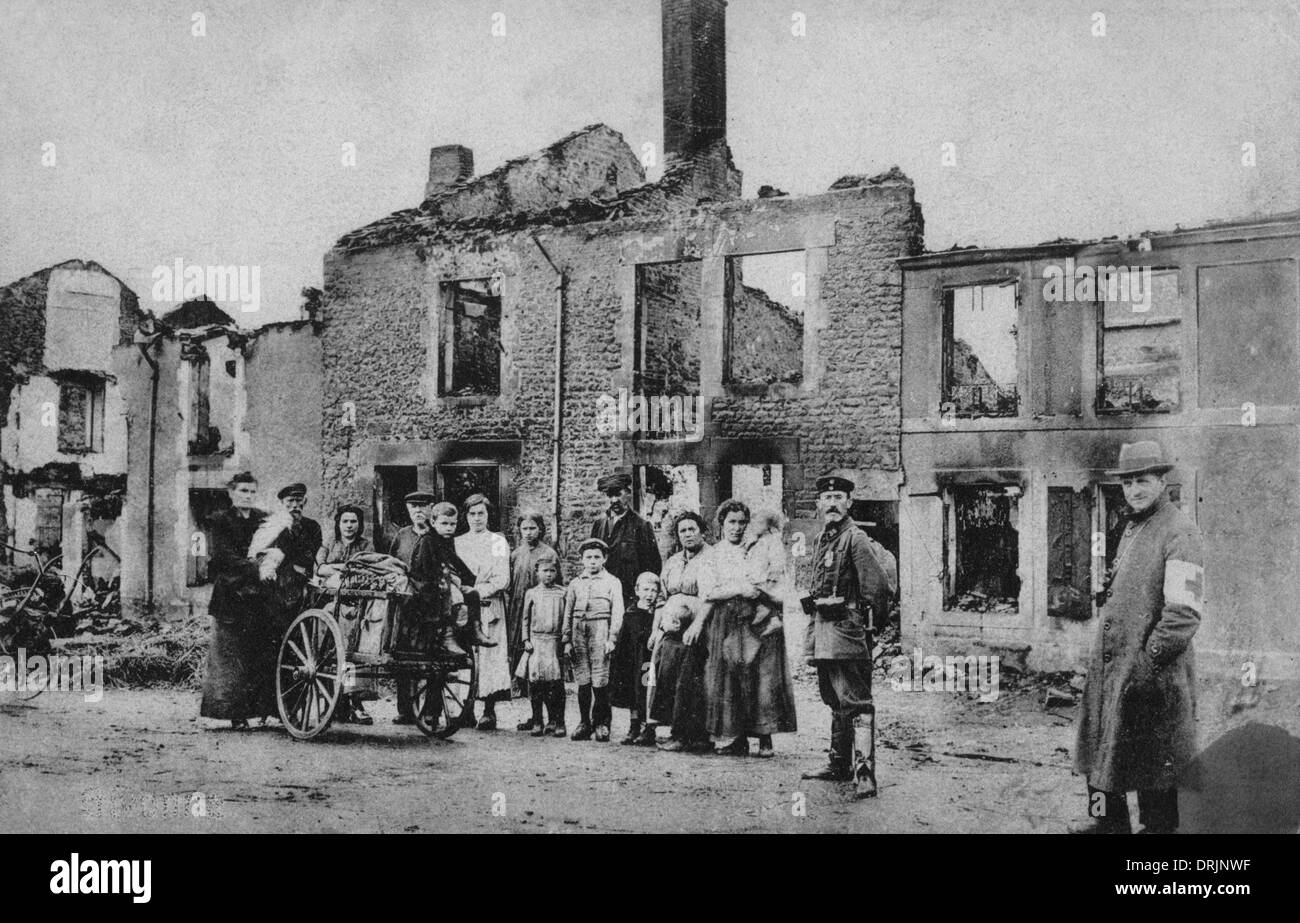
(837, 768)
(864, 768)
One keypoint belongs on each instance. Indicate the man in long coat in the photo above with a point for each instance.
(849, 588)
(1136, 726)
(633, 549)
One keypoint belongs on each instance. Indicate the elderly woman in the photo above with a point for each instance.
(239, 681)
(488, 555)
(750, 693)
(676, 695)
(532, 548)
(349, 526)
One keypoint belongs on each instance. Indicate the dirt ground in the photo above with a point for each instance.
(947, 763)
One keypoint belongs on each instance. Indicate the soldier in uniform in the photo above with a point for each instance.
(849, 588)
(633, 549)
(1137, 720)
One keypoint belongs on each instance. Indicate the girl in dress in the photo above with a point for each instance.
(544, 643)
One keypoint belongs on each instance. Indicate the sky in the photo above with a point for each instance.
(132, 141)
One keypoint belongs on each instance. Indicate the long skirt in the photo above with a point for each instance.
(239, 680)
(630, 664)
(750, 692)
(678, 698)
(665, 665)
(492, 664)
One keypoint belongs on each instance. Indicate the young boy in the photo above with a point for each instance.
(593, 616)
(544, 642)
(628, 668)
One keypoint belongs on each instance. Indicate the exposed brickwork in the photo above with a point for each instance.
(379, 322)
(766, 337)
(669, 296)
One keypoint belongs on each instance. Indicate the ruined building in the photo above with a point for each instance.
(1025, 369)
(523, 331)
(63, 440)
(204, 399)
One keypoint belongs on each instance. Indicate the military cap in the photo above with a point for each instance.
(420, 497)
(594, 543)
(293, 490)
(613, 482)
(834, 482)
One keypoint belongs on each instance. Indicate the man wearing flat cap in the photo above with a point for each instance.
(631, 540)
(300, 547)
(849, 588)
(1137, 721)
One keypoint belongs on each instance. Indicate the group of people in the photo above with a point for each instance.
(695, 644)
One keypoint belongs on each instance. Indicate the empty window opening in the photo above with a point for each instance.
(1069, 553)
(204, 504)
(456, 483)
(1139, 349)
(766, 294)
(660, 493)
(81, 416)
(979, 350)
(760, 487)
(667, 349)
(470, 338)
(392, 484)
(984, 549)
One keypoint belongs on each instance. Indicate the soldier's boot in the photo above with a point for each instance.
(837, 768)
(864, 768)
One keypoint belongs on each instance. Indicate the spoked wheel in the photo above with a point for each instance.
(438, 700)
(309, 674)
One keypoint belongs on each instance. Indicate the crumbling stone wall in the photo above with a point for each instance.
(669, 297)
(766, 338)
(380, 320)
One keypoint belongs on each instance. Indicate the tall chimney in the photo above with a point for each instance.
(695, 94)
(448, 165)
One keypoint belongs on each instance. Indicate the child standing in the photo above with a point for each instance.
(544, 642)
(593, 616)
(627, 682)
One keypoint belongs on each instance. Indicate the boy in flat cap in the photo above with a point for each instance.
(1137, 720)
(629, 538)
(849, 585)
(593, 617)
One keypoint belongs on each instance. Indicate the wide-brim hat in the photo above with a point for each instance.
(293, 490)
(1140, 458)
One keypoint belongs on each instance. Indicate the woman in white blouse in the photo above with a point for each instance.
(488, 555)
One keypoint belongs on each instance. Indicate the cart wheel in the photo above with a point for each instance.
(438, 700)
(309, 674)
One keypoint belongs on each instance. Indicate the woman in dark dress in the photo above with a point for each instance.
(678, 696)
(239, 681)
